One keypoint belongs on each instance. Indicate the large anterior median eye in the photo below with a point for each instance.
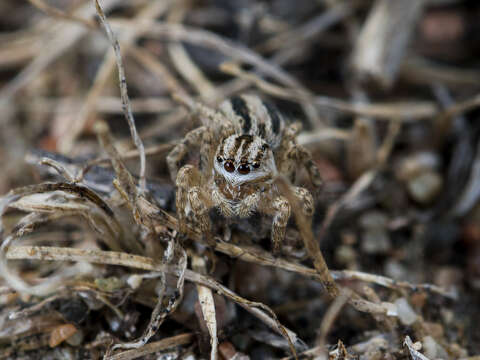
(229, 166)
(243, 169)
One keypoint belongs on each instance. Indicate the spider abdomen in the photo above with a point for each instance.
(252, 116)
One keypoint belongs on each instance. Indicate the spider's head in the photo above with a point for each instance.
(244, 159)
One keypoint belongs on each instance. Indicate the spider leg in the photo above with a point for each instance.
(178, 153)
(305, 157)
(192, 201)
(307, 204)
(248, 205)
(281, 215)
(291, 154)
(213, 119)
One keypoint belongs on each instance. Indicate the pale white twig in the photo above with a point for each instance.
(127, 110)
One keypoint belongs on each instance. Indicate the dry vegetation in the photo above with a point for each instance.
(91, 261)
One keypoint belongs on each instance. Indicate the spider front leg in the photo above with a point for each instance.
(192, 201)
(178, 153)
(281, 215)
(248, 205)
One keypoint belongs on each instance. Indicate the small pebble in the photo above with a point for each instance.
(432, 349)
(416, 164)
(345, 255)
(373, 220)
(405, 312)
(76, 339)
(375, 241)
(60, 334)
(425, 187)
(395, 270)
(134, 281)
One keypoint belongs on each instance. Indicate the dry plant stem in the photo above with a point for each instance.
(469, 195)
(153, 347)
(103, 75)
(13, 53)
(234, 69)
(208, 39)
(258, 256)
(131, 154)
(363, 140)
(296, 41)
(124, 178)
(383, 40)
(387, 322)
(56, 13)
(81, 191)
(416, 355)
(26, 226)
(124, 181)
(46, 253)
(161, 311)
(389, 283)
(405, 111)
(311, 244)
(62, 171)
(65, 143)
(150, 62)
(105, 220)
(418, 70)
(365, 179)
(176, 118)
(62, 37)
(386, 147)
(308, 30)
(34, 308)
(325, 134)
(207, 304)
(183, 62)
(145, 105)
(328, 319)
(124, 95)
(444, 120)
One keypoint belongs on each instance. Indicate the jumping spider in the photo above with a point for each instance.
(243, 146)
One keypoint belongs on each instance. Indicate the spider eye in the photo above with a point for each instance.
(256, 165)
(243, 169)
(219, 159)
(229, 166)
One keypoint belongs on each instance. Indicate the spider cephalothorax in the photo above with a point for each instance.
(243, 146)
(243, 159)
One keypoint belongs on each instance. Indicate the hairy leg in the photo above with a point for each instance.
(213, 119)
(305, 157)
(248, 205)
(292, 154)
(192, 201)
(281, 214)
(306, 202)
(193, 138)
